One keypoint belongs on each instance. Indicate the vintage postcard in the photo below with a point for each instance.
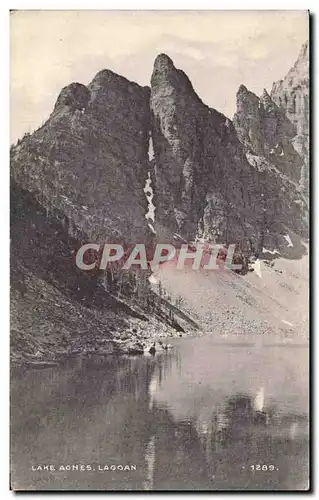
(159, 180)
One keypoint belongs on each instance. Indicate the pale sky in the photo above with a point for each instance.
(218, 50)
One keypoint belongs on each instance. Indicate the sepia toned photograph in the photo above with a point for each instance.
(159, 250)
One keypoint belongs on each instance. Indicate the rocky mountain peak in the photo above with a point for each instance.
(245, 97)
(74, 96)
(292, 93)
(169, 80)
(300, 69)
(247, 119)
(107, 79)
(201, 164)
(242, 89)
(265, 98)
(276, 125)
(164, 71)
(89, 161)
(163, 63)
(94, 150)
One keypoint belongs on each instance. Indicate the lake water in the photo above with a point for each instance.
(205, 415)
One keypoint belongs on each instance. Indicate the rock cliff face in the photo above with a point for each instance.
(265, 130)
(200, 164)
(216, 181)
(89, 161)
(292, 96)
(247, 120)
(292, 93)
(276, 126)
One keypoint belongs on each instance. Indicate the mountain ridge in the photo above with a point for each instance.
(240, 182)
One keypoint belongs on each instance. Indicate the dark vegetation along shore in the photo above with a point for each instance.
(81, 176)
(58, 310)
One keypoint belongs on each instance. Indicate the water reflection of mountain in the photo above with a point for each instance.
(106, 411)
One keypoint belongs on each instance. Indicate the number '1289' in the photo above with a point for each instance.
(262, 467)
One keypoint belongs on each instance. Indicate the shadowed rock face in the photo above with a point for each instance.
(89, 160)
(197, 156)
(276, 126)
(210, 184)
(247, 120)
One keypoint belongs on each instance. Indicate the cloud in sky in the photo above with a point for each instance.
(218, 50)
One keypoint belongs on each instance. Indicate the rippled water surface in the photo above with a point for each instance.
(201, 416)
